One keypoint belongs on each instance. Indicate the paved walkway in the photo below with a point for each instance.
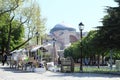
(11, 74)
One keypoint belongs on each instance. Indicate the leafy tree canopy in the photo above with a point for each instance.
(109, 32)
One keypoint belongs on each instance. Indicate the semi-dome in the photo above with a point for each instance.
(62, 26)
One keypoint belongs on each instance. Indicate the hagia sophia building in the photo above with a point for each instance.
(63, 35)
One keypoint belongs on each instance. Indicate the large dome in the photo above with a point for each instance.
(62, 26)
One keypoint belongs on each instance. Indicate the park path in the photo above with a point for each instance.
(11, 74)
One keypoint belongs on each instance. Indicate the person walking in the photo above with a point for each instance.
(4, 59)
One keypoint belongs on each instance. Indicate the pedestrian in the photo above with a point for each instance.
(59, 61)
(4, 59)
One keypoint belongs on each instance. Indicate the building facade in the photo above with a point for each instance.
(64, 35)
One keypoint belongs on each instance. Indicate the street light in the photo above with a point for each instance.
(54, 51)
(81, 29)
(37, 36)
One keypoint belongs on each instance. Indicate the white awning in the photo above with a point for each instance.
(35, 48)
(16, 51)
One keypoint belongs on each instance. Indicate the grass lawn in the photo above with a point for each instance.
(102, 69)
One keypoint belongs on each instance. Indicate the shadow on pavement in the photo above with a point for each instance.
(14, 70)
(86, 75)
(59, 74)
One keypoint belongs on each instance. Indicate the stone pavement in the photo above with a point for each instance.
(12, 74)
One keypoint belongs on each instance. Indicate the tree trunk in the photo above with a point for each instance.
(9, 36)
(102, 59)
(8, 42)
(3, 42)
(98, 61)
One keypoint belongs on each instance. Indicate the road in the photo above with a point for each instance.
(11, 74)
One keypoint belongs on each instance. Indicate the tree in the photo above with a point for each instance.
(118, 1)
(9, 5)
(109, 32)
(16, 34)
(35, 23)
(27, 16)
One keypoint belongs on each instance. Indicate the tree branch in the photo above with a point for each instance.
(21, 44)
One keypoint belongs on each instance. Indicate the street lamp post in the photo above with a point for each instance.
(54, 51)
(81, 29)
(37, 37)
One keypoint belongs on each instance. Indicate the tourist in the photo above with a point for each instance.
(4, 59)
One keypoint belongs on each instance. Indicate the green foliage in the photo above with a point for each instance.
(108, 36)
(109, 32)
(16, 34)
(100, 41)
(15, 16)
(6, 6)
(89, 47)
(68, 52)
(88, 43)
(73, 51)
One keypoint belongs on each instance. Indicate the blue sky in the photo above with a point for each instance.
(72, 12)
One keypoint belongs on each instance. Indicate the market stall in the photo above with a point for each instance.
(18, 58)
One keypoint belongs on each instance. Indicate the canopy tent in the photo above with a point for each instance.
(35, 49)
(19, 54)
(18, 51)
(38, 47)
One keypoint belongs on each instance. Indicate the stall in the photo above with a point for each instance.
(18, 58)
(28, 60)
(37, 53)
